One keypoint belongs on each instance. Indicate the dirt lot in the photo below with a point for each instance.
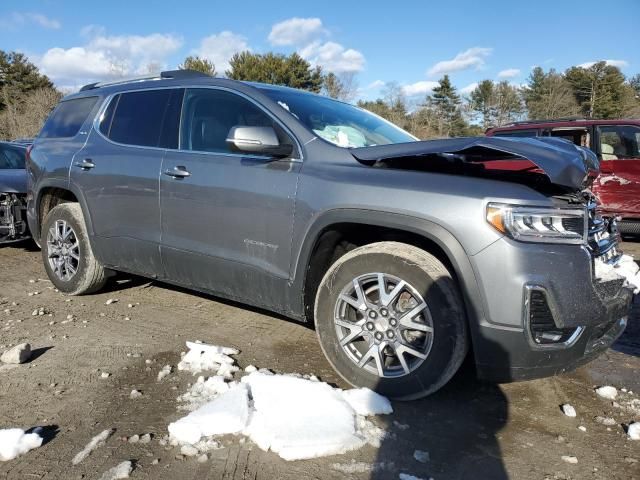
(470, 429)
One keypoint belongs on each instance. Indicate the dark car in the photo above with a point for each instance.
(405, 254)
(617, 145)
(13, 193)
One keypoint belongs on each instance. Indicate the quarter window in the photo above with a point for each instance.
(209, 114)
(67, 118)
(619, 142)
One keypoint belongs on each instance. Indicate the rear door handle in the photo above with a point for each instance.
(177, 172)
(85, 164)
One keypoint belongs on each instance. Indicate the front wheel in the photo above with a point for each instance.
(66, 252)
(389, 317)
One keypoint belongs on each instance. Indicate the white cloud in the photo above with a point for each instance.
(333, 57)
(375, 84)
(220, 47)
(509, 73)
(104, 57)
(471, 58)
(469, 88)
(419, 88)
(613, 63)
(20, 19)
(295, 31)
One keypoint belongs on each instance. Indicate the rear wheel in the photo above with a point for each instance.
(389, 317)
(66, 252)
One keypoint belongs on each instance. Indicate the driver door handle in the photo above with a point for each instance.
(177, 172)
(85, 164)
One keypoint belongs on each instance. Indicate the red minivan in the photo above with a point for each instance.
(617, 144)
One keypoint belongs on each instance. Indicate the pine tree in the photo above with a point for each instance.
(446, 104)
(598, 89)
(481, 101)
(292, 71)
(548, 95)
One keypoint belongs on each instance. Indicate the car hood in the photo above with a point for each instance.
(13, 181)
(562, 162)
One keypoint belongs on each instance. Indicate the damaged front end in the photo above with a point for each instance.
(13, 218)
(547, 164)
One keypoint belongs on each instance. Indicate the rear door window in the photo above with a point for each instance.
(136, 118)
(67, 118)
(619, 142)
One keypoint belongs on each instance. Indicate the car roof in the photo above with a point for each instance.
(174, 78)
(562, 123)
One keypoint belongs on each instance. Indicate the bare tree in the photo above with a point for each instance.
(343, 86)
(24, 114)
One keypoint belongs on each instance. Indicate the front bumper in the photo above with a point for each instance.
(13, 222)
(592, 311)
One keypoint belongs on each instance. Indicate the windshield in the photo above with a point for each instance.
(11, 157)
(339, 123)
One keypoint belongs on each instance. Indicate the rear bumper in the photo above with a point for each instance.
(593, 312)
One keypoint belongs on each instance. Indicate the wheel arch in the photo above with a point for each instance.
(416, 231)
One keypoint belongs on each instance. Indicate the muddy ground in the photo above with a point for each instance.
(471, 430)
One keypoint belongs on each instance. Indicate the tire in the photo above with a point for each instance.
(438, 331)
(89, 275)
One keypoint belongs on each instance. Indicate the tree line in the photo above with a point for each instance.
(595, 91)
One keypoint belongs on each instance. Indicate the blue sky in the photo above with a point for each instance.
(412, 42)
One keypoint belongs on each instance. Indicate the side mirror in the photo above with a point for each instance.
(260, 140)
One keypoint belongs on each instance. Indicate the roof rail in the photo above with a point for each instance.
(550, 120)
(166, 75)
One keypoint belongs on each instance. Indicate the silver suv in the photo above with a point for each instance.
(405, 254)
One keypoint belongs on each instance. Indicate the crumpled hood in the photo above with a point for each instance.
(13, 181)
(562, 162)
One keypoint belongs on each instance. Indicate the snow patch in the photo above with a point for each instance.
(634, 431)
(287, 409)
(570, 459)
(296, 416)
(15, 442)
(608, 392)
(226, 414)
(366, 402)
(202, 357)
(94, 443)
(568, 410)
(122, 470)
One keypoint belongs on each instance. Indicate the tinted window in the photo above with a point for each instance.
(138, 117)
(517, 133)
(208, 115)
(68, 117)
(11, 157)
(619, 141)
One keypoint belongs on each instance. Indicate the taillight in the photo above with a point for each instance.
(28, 155)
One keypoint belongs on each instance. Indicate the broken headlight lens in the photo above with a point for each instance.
(539, 224)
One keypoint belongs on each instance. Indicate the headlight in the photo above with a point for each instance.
(539, 224)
